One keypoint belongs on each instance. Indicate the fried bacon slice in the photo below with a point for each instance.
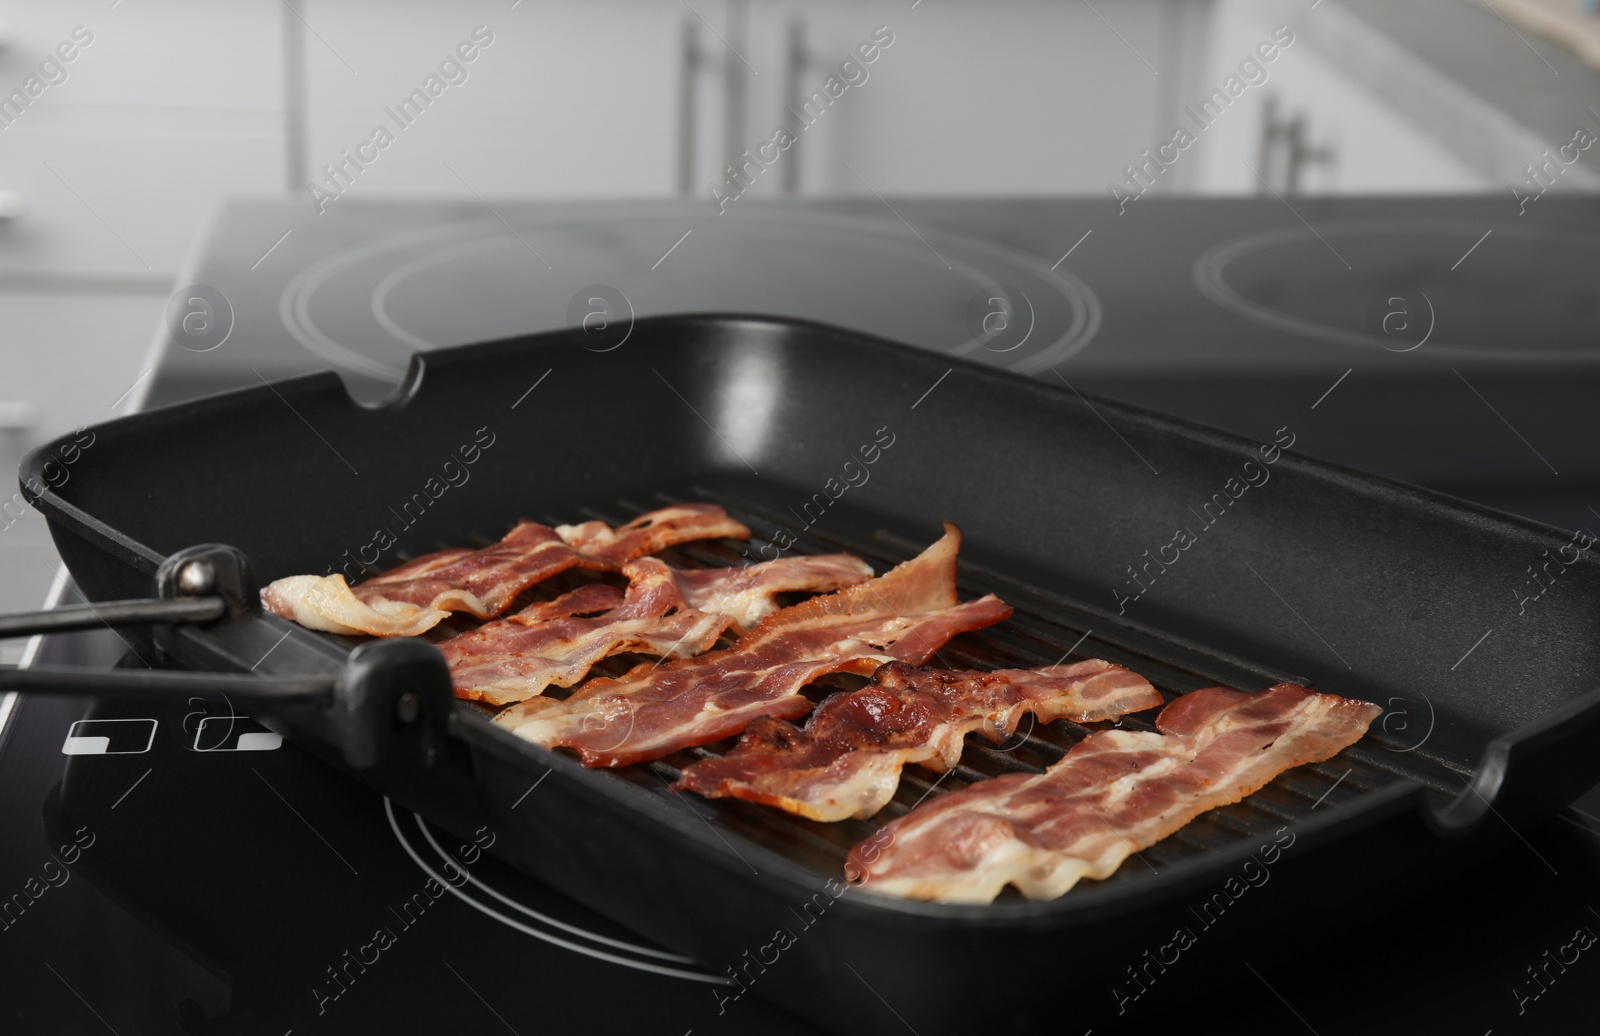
(606, 548)
(1112, 794)
(418, 595)
(907, 614)
(749, 593)
(557, 642)
(665, 612)
(846, 761)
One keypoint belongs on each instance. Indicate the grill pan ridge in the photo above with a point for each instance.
(1054, 507)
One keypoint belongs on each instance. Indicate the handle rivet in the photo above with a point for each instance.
(196, 578)
(408, 707)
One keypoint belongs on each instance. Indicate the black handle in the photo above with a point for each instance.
(158, 683)
(113, 614)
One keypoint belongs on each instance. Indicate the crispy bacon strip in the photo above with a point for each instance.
(907, 614)
(557, 642)
(846, 762)
(1114, 793)
(665, 612)
(749, 593)
(604, 547)
(419, 594)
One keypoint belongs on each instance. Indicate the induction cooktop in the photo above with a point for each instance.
(180, 869)
(1447, 341)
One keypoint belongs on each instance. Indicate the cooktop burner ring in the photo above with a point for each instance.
(1066, 309)
(438, 865)
(1434, 283)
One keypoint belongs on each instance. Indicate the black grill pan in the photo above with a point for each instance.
(1339, 580)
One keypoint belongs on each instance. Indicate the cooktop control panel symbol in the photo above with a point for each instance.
(211, 723)
(109, 737)
(234, 734)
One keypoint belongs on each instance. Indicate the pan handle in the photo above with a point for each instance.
(200, 584)
(113, 614)
(159, 683)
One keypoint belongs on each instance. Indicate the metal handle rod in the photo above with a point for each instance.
(735, 86)
(688, 75)
(157, 683)
(113, 613)
(799, 59)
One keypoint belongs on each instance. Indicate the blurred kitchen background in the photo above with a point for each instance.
(980, 125)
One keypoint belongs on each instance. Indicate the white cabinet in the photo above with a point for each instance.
(70, 357)
(122, 126)
(164, 54)
(567, 100)
(993, 99)
(114, 158)
(1374, 148)
(579, 100)
(103, 199)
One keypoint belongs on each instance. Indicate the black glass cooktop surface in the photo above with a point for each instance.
(1462, 338)
(179, 869)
